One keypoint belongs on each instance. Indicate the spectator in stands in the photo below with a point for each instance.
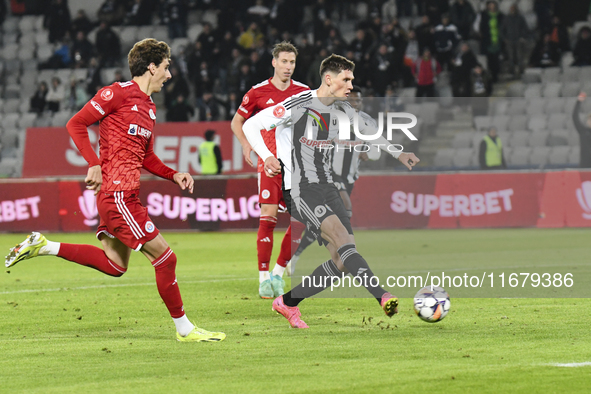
(93, 77)
(404, 7)
(584, 131)
(424, 33)
(360, 45)
(81, 23)
(545, 53)
(381, 70)
(210, 156)
(491, 21)
(463, 65)
(140, 13)
(313, 78)
(425, 71)
(57, 20)
(259, 13)
(411, 54)
(179, 110)
(258, 70)
(112, 12)
(61, 56)
(515, 34)
(543, 10)
(118, 76)
(82, 50)
(210, 108)
(248, 39)
(436, 8)
(108, 46)
(207, 39)
(463, 16)
(37, 102)
(175, 16)
(306, 55)
(245, 80)
(55, 95)
(203, 79)
(390, 10)
(446, 39)
(491, 151)
(559, 34)
(334, 43)
(3, 12)
(76, 96)
(480, 88)
(321, 14)
(175, 87)
(582, 50)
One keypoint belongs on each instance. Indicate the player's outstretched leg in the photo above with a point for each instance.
(25, 250)
(168, 288)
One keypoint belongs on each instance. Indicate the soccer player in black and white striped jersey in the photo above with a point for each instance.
(304, 157)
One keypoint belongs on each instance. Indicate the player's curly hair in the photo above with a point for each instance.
(336, 64)
(284, 46)
(146, 52)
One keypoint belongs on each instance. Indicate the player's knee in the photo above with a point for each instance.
(166, 261)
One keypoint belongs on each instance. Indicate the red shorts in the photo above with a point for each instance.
(124, 217)
(270, 190)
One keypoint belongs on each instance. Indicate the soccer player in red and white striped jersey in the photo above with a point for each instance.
(263, 95)
(127, 116)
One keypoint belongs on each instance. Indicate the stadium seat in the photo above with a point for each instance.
(537, 122)
(569, 105)
(554, 105)
(61, 118)
(501, 122)
(500, 107)
(23, 108)
(10, 25)
(551, 74)
(160, 33)
(539, 156)
(570, 89)
(517, 106)
(428, 112)
(179, 44)
(516, 89)
(10, 51)
(517, 122)
(27, 120)
(26, 53)
(444, 157)
(533, 90)
(462, 158)
(27, 40)
(80, 73)
(44, 52)
(211, 17)
(532, 75)
(536, 106)
(482, 122)
(12, 91)
(519, 156)
(538, 138)
(194, 31)
(585, 73)
(477, 139)
(8, 166)
(573, 138)
(64, 75)
(558, 138)
(462, 139)
(43, 120)
(552, 89)
(519, 138)
(559, 155)
(45, 75)
(11, 106)
(574, 156)
(557, 121)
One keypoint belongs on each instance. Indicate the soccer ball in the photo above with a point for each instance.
(432, 305)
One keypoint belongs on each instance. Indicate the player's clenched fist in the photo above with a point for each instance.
(272, 166)
(408, 159)
(94, 179)
(184, 180)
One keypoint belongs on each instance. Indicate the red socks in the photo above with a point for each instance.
(90, 256)
(265, 241)
(297, 231)
(285, 253)
(166, 281)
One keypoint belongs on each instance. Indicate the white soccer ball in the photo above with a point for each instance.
(432, 304)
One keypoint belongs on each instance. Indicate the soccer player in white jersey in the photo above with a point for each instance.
(308, 187)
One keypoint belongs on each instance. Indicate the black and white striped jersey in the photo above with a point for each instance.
(305, 133)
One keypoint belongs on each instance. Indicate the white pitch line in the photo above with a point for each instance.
(573, 365)
(117, 285)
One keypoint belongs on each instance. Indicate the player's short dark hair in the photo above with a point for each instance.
(209, 135)
(146, 52)
(284, 46)
(336, 64)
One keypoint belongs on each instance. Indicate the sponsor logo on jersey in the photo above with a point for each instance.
(270, 101)
(134, 108)
(107, 94)
(319, 211)
(266, 194)
(318, 118)
(315, 143)
(150, 227)
(245, 99)
(241, 108)
(152, 114)
(279, 111)
(117, 182)
(137, 130)
(97, 107)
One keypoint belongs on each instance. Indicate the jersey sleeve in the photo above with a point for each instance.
(368, 126)
(267, 119)
(102, 104)
(248, 105)
(153, 164)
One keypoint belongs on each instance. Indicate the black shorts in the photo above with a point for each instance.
(315, 203)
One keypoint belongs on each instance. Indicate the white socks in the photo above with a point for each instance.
(183, 325)
(51, 249)
(278, 270)
(263, 276)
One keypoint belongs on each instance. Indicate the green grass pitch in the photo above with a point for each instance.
(69, 329)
